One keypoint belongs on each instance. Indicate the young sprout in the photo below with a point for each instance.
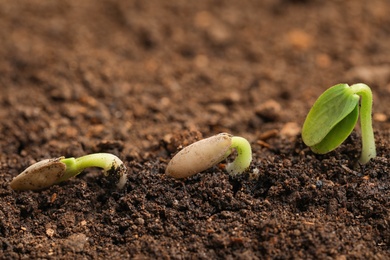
(206, 153)
(333, 117)
(48, 172)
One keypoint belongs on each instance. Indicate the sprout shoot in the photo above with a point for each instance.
(48, 172)
(206, 153)
(334, 116)
(244, 155)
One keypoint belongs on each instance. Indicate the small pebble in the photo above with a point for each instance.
(299, 39)
(269, 110)
(380, 117)
(139, 221)
(76, 242)
(50, 232)
(290, 129)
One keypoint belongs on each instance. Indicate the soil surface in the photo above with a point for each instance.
(142, 79)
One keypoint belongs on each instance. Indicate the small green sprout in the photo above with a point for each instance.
(48, 172)
(206, 153)
(333, 117)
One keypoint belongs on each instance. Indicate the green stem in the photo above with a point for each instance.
(368, 140)
(244, 156)
(108, 162)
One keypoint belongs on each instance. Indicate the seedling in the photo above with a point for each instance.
(53, 171)
(206, 153)
(333, 117)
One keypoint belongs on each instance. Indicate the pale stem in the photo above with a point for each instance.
(368, 140)
(244, 156)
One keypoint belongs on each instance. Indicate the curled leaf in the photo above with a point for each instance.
(338, 134)
(331, 119)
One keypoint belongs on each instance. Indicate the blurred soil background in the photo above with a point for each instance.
(142, 79)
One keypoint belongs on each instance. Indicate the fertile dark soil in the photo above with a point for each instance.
(142, 79)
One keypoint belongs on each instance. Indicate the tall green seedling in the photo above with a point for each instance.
(335, 114)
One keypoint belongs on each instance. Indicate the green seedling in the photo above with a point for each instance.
(48, 172)
(206, 153)
(333, 117)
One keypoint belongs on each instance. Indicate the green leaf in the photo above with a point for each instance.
(338, 134)
(332, 107)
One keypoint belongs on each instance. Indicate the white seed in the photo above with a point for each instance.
(199, 156)
(39, 175)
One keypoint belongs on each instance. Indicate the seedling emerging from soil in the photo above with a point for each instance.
(333, 117)
(53, 171)
(206, 153)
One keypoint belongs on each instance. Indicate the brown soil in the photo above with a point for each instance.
(141, 79)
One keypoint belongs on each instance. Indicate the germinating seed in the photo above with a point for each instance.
(199, 156)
